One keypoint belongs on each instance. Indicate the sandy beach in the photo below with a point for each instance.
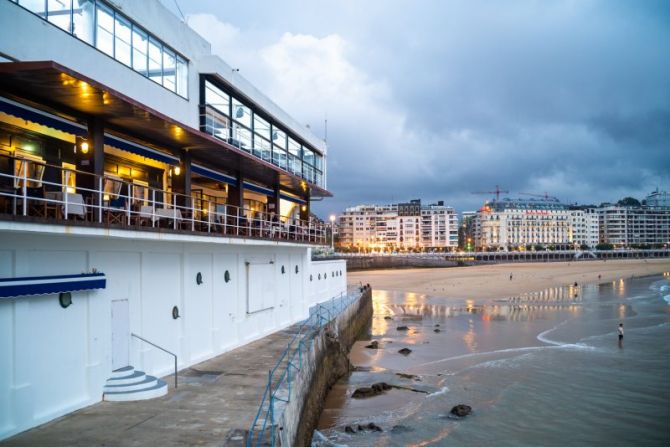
(493, 281)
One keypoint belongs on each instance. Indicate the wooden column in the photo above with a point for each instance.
(181, 183)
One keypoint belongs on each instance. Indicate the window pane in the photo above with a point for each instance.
(140, 42)
(217, 125)
(318, 161)
(59, 13)
(241, 137)
(155, 61)
(279, 138)
(279, 157)
(293, 147)
(307, 156)
(169, 70)
(216, 98)
(261, 127)
(182, 77)
(262, 148)
(105, 30)
(122, 35)
(241, 113)
(36, 6)
(83, 20)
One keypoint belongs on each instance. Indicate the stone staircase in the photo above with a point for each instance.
(127, 384)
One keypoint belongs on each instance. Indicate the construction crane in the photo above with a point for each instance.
(545, 196)
(497, 192)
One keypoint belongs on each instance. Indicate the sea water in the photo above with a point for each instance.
(541, 369)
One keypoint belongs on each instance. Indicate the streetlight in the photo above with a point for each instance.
(332, 232)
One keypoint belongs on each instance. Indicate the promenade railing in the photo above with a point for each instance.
(278, 389)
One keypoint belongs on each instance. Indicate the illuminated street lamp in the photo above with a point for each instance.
(332, 232)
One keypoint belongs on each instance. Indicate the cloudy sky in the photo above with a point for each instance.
(436, 99)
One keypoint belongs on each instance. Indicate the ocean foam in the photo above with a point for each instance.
(437, 393)
(667, 299)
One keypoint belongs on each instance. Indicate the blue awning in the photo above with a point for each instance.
(259, 189)
(138, 149)
(44, 285)
(291, 198)
(214, 175)
(39, 117)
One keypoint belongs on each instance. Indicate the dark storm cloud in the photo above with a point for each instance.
(571, 98)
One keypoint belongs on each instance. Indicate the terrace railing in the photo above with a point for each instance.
(41, 191)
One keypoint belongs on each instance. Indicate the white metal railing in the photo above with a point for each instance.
(112, 201)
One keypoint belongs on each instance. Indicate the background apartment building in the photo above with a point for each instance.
(402, 226)
(624, 226)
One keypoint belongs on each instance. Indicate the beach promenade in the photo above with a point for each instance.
(493, 281)
(214, 405)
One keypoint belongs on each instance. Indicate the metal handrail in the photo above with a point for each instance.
(321, 316)
(162, 349)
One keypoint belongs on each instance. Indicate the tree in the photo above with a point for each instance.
(539, 247)
(629, 201)
(604, 246)
(584, 247)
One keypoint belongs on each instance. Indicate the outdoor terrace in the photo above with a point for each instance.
(111, 202)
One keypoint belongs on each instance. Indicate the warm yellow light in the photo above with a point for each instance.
(84, 147)
(304, 208)
(105, 197)
(70, 189)
(177, 170)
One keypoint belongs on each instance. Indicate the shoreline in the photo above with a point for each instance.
(493, 281)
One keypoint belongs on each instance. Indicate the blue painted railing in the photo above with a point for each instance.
(290, 361)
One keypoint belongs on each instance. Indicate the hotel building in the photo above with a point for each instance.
(148, 192)
(523, 223)
(402, 226)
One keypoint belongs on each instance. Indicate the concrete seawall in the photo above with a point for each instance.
(323, 364)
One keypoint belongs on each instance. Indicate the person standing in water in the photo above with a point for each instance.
(620, 331)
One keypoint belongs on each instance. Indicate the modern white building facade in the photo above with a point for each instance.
(624, 226)
(402, 226)
(147, 191)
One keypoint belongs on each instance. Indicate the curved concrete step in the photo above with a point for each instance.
(158, 390)
(135, 377)
(122, 372)
(148, 382)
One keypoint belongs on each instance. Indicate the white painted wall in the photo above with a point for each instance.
(324, 280)
(54, 360)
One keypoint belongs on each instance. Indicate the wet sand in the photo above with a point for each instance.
(493, 281)
(480, 338)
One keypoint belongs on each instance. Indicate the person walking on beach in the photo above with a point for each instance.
(620, 331)
(510, 276)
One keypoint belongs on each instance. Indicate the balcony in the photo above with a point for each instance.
(113, 202)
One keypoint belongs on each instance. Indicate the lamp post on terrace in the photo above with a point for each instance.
(332, 232)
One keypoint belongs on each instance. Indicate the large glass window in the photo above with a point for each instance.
(122, 40)
(140, 50)
(216, 98)
(262, 148)
(155, 61)
(241, 113)
(83, 20)
(59, 12)
(98, 24)
(307, 156)
(169, 70)
(36, 6)
(241, 137)
(105, 30)
(182, 77)
(279, 138)
(261, 127)
(279, 157)
(217, 124)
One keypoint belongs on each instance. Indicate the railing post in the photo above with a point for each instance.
(100, 183)
(65, 193)
(153, 208)
(192, 214)
(130, 194)
(175, 372)
(25, 187)
(174, 211)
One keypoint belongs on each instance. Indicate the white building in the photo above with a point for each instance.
(513, 224)
(585, 227)
(402, 226)
(146, 190)
(624, 226)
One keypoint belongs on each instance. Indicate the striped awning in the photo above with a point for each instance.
(44, 285)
